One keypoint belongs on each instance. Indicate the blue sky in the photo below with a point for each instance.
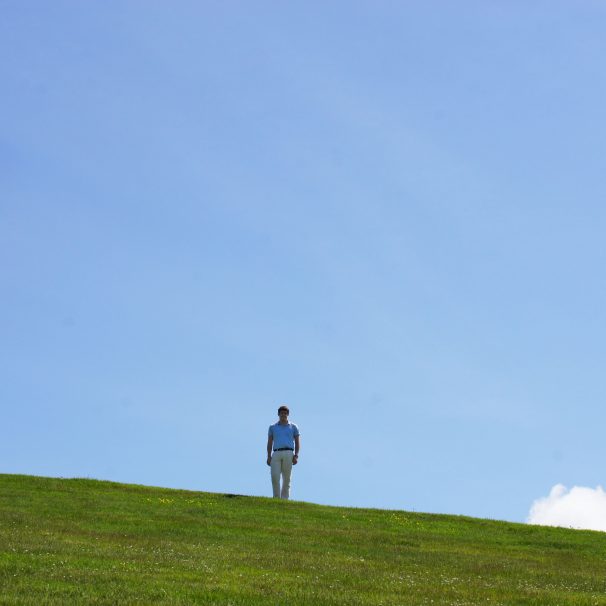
(389, 216)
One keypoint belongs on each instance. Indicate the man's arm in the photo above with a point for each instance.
(270, 441)
(295, 457)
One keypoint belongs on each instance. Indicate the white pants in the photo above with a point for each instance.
(281, 465)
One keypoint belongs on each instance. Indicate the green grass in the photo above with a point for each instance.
(91, 542)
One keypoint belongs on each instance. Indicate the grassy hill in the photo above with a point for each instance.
(90, 542)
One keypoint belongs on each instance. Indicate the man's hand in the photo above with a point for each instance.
(269, 459)
(295, 459)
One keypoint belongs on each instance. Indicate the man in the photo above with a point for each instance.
(282, 452)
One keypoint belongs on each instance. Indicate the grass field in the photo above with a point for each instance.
(91, 542)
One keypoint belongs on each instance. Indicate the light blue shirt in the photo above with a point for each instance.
(283, 435)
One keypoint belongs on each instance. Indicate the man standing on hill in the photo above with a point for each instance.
(282, 452)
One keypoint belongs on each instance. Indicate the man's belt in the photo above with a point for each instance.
(277, 449)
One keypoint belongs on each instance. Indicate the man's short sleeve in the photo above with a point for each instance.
(270, 433)
(295, 430)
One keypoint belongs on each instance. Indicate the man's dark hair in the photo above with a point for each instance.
(284, 408)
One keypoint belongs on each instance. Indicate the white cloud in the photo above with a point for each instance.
(578, 507)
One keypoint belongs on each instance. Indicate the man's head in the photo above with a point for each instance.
(283, 412)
